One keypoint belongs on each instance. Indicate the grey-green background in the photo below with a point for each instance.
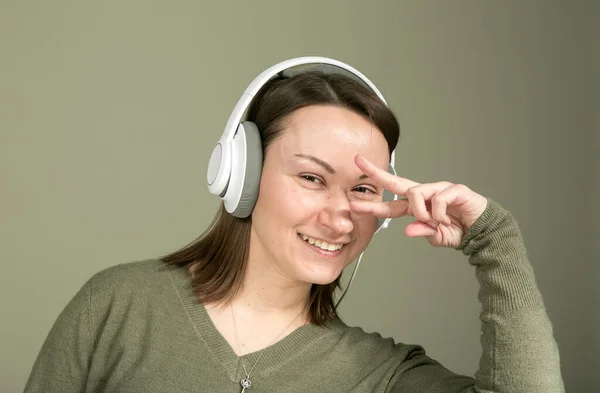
(109, 111)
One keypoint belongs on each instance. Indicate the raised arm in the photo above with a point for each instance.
(519, 352)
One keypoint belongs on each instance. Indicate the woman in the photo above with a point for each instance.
(249, 306)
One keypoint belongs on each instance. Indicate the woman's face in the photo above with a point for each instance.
(302, 225)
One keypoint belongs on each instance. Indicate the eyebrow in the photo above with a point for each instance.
(325, 165)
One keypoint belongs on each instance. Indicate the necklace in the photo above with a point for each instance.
(245, 382)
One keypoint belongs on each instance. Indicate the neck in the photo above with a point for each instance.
(267, 291)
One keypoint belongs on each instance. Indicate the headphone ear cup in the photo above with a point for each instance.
(388, 196)
(247, 159)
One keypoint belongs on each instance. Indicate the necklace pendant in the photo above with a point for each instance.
(245, 384)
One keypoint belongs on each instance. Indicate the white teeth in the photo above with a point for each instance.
(321, 244)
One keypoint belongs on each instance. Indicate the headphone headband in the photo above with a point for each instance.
(281, 68)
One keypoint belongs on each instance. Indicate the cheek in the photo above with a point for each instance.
(282, 198)
(310, 201)
(365, 222)
(366, 227)
(285, 191)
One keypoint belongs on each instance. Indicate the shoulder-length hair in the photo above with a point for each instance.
(217, 259)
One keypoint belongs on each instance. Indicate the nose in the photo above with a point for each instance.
(336, 213)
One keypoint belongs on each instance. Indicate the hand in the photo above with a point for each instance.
(444, 211)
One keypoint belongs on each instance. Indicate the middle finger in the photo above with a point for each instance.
(396, 184)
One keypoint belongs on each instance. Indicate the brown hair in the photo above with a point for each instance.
(217, 259)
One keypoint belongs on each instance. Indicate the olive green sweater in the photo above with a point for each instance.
(137, 327)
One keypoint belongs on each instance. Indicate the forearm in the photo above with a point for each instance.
(519, 353)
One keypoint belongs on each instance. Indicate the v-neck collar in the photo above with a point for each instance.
(223, 354)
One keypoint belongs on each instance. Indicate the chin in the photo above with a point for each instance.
(322, 280)
(316, 272)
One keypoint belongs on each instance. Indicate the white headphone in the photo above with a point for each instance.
(236, 161)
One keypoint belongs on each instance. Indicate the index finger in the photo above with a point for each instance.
(396, 184)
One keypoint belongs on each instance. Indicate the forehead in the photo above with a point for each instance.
(332, 134)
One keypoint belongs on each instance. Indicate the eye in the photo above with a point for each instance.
(365, 190)
(311, 178)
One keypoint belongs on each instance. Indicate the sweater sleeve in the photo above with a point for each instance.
(519, 352)
(62, 364)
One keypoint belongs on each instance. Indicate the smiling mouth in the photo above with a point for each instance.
(320, 244)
